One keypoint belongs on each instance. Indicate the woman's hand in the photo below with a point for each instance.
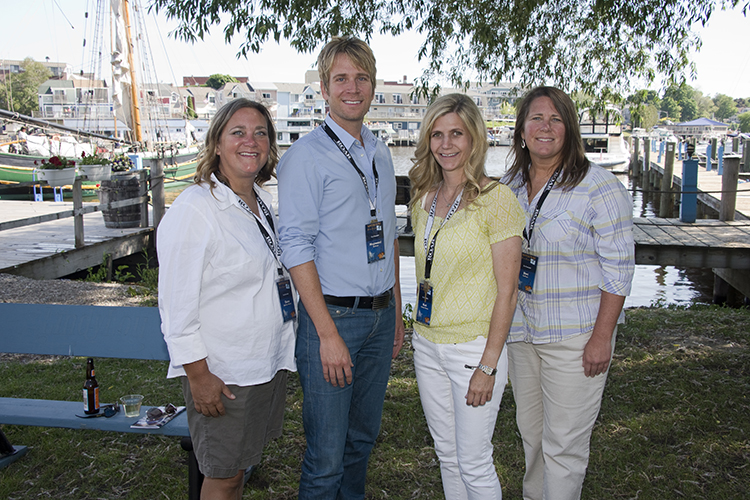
(206, 389)
(481, 386)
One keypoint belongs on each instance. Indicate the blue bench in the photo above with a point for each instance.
(90, 331)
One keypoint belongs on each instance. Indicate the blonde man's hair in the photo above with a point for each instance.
(357, 50)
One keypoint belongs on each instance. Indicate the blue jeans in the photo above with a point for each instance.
(342, 423)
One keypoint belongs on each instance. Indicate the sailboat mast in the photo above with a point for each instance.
(136, 109)
(114, 79)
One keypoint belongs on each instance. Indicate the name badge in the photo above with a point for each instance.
(375, 241)
(284, 287)
(424, 303)
(528, 272)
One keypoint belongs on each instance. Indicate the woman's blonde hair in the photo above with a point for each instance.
(574, 163)
(426, 173)
(208, 160)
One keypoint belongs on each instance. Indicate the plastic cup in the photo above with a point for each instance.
(132, 404)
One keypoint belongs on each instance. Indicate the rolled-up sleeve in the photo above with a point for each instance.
(612, 222)
(300, 195)
(183, 241)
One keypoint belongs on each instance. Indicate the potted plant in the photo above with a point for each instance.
(121, 163)
(94, 167)
(57, 171)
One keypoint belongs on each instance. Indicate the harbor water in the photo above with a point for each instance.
(652, 285)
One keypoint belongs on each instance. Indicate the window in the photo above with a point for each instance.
(380, 98)
(397, 99)
(415, 99)
(266, 95)
(478, 101)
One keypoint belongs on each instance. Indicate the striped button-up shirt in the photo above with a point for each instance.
(583, 238)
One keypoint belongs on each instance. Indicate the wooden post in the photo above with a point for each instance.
(143, 191)
(646, 157)
(665, 203)
(689, 198)
(78, 215)
(634, 157)
(729, 187)
(721, 159)
(729, 180)
(736, 145)
(746, 155)
(714, 144)
(157, 190)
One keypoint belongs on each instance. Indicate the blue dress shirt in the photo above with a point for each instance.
(323, 210)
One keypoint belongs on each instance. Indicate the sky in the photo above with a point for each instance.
(55, 29)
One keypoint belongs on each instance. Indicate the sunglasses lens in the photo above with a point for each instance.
(154, 413)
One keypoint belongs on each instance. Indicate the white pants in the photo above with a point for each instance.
(557, 406)
(462, 433)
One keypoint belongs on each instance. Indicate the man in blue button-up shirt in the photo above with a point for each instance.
(337, 230)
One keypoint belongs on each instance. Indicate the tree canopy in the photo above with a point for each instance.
(20, 91)
(598, 47)
(217, 80)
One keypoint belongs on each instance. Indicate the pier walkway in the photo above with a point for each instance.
(669, 242)
(46, 250)
(709, 183)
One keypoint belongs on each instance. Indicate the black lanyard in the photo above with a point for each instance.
(547, 189)
(270, 241)
(348, 155)
(430, 253)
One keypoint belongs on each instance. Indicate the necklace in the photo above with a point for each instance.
(449, 201)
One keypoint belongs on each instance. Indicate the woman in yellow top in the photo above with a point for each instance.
(468, 255)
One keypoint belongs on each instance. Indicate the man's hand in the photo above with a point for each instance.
(398, 339)
(336, 361)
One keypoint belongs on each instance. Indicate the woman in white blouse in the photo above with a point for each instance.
(225, 299)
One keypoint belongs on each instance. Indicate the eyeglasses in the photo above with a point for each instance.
(109, 410)
(156, 413)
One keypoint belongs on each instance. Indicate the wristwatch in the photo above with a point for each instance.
(487, 370)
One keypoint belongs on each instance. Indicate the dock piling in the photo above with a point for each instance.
(78, 213)
(689, 197)
(665, 203)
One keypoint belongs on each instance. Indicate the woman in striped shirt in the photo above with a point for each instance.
(577, 268)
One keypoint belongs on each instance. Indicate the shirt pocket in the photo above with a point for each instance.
(556, 228)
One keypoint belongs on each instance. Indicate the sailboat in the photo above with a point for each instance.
(148, 137)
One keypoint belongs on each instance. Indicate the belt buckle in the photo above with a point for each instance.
(381, 301)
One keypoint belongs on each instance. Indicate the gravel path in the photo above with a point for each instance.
(22, 290)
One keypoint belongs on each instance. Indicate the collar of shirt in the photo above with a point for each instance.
(368, 138)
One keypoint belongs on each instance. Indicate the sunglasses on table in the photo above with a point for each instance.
(156, 413)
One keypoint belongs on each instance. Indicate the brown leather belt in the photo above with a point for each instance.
(377, 302)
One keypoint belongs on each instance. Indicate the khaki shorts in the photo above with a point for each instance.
(233, 442)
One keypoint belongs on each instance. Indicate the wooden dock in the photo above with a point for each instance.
(669, 242)
(46, 250)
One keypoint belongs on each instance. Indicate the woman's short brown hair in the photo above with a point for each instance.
(208, 160)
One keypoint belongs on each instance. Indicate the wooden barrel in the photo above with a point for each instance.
(117, 188)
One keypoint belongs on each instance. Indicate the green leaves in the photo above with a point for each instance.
(594, 46)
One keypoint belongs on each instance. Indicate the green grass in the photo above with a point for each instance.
(674, 423)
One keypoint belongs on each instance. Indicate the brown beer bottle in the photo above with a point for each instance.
(90, 390)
